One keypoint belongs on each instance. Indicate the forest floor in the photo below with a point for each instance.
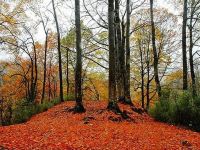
(96, 129)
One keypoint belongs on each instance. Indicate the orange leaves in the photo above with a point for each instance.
(52, 40)
(59, 129)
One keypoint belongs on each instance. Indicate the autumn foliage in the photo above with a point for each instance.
(98, 128)
(101, 79)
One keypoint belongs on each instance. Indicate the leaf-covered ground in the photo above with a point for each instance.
(96, 129)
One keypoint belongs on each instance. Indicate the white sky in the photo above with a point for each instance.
(65, 16)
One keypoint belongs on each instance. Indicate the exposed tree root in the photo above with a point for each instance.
(123, 114)
(126, 101)
(113, 106)
(88, 119)
(138, 110)
(78, 108)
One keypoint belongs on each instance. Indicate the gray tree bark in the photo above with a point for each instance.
(78, 72)
(192, 7)
(120, 54)
(112, 105)
(59, 53)
(127, 77)
(155, 54)
(45, 62)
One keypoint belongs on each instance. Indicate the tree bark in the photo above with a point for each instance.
(36, 73)
(148, 76)
(155, 54)
(194, 92)
(127, 77)
(49, 80)
(67, 72)
(112, 105)
(31, 91)
(184, 46)
(78, 74)
(142, 72)
(45, 65)
(34, 70)
(59, 53)
(120, 54)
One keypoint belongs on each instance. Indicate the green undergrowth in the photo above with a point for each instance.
(178, 107)
(22, 110)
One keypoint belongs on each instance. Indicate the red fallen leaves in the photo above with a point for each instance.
(59, 129)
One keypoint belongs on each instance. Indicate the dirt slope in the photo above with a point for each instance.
(96, 129)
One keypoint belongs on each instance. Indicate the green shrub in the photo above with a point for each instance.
(6, 112)
(196, 114)
(160, 111)
(178, 108)
(69, 97)
(24, 110)
(184, 108)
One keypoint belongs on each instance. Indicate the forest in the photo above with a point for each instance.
(99, 74)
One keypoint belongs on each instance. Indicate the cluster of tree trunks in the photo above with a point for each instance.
(112, 58)
(190, 18)
(119, 59)
(119, 55)
(31, 85)
(194, 5)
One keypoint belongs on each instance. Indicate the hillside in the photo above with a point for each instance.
(58, 128)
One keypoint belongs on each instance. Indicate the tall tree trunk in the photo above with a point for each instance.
(36, 74)
(155, 54)
(121, 54)
(59, 53)
(78, 74)
(117, 68)
(45, 66)
(184, 46)
(148, 76)
(55, 87)
(112, 105)
(67, 72)
(194, 93)
(49, 79)
(31, 91)
(148, 90)
(123, 26)
(142, 72)
(127, 77)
